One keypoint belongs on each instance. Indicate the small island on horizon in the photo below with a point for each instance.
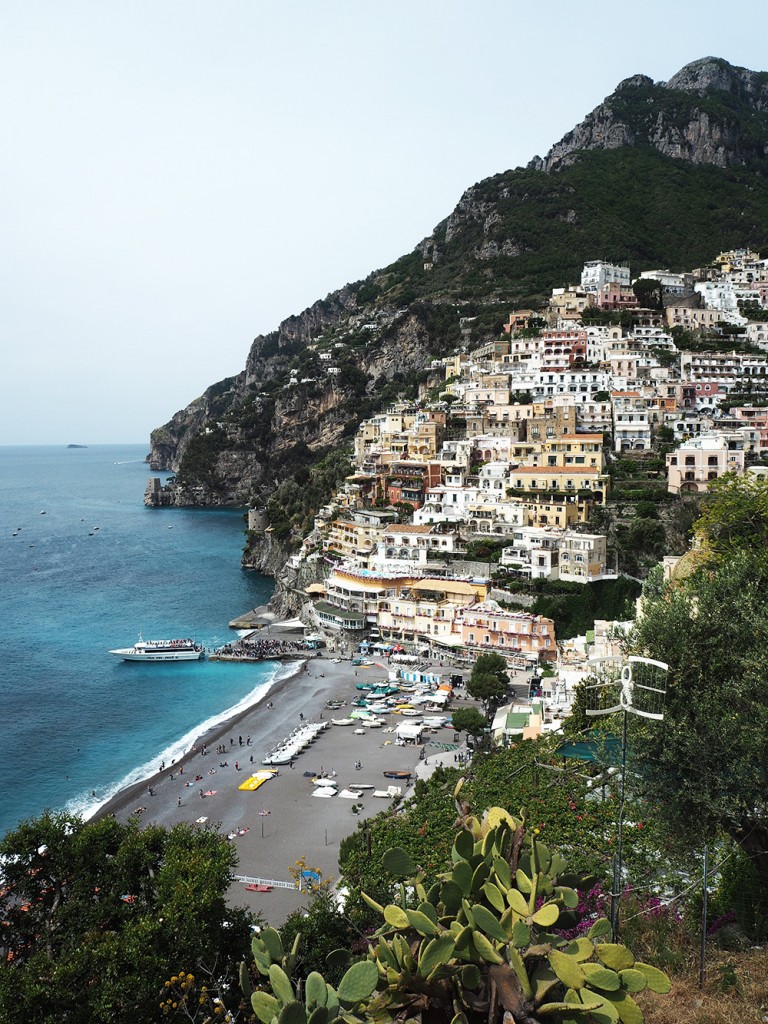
(77, 446)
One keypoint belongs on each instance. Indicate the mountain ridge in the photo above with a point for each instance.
(641, 111)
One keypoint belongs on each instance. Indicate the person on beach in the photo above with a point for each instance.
(201, 794)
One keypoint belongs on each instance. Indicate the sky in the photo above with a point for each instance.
(178, 177)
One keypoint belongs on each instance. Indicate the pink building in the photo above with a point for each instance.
(490, 626)
(696, 463)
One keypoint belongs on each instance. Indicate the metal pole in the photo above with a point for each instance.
(702, 965)
(617, 866)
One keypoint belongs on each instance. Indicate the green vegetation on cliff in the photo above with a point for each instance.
(516, 235)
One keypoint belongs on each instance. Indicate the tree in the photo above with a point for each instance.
(491, 664)
(323, 928)
(469, 720)
(486, 688)
(489, 679)
(649, 293)
(93, 913)
(734, 515)
(709, 759)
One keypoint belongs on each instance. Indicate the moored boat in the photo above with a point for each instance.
(161, 650)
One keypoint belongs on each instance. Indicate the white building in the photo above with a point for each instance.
(539, 552)
(597, 273)
(631, 423)
(672, 284)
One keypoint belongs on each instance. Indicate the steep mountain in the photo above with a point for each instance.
(708, 113)
(658, 174)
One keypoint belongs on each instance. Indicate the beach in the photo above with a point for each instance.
(282, 822)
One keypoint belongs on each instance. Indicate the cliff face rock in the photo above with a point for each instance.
(268, 350)
(231, 446)
(708, 113)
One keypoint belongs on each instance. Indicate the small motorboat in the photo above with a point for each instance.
(392, 774)
(342, 721)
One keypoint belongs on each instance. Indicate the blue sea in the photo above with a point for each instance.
(90, 574)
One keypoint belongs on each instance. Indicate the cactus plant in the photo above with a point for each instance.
(477, 946)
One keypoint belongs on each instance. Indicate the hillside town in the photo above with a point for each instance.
(503, 469)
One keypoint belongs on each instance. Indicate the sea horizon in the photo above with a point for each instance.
(87, 569)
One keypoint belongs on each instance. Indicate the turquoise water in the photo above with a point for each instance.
(76, 719)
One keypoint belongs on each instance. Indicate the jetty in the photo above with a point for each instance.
(267, 639)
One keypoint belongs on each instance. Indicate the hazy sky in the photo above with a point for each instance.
(179, 176)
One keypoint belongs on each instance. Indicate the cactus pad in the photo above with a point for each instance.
(358, 983)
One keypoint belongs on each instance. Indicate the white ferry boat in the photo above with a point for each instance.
(161, 650)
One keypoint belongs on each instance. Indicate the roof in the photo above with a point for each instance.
(315, 588)
(454, 586)
(425, 528)
(339, 613)
(595, 747)
(559, 470)
(517, 720)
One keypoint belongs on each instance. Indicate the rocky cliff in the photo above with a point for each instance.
(244, 435)
(708, 113)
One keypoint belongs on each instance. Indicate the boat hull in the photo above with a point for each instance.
(129, 654)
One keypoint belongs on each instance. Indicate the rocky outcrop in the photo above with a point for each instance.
(233, 444)
(708, 113)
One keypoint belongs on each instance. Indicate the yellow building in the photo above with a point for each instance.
(558, 496)
(571, 450)
(358, 535)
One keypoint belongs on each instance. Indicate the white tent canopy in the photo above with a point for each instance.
(409, 731)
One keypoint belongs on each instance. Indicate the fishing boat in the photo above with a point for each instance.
(161, 650)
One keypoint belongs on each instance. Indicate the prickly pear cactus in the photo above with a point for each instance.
(477, 945)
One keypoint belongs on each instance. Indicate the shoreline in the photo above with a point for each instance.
(116, 804)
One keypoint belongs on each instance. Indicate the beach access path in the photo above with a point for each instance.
(281, 822)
